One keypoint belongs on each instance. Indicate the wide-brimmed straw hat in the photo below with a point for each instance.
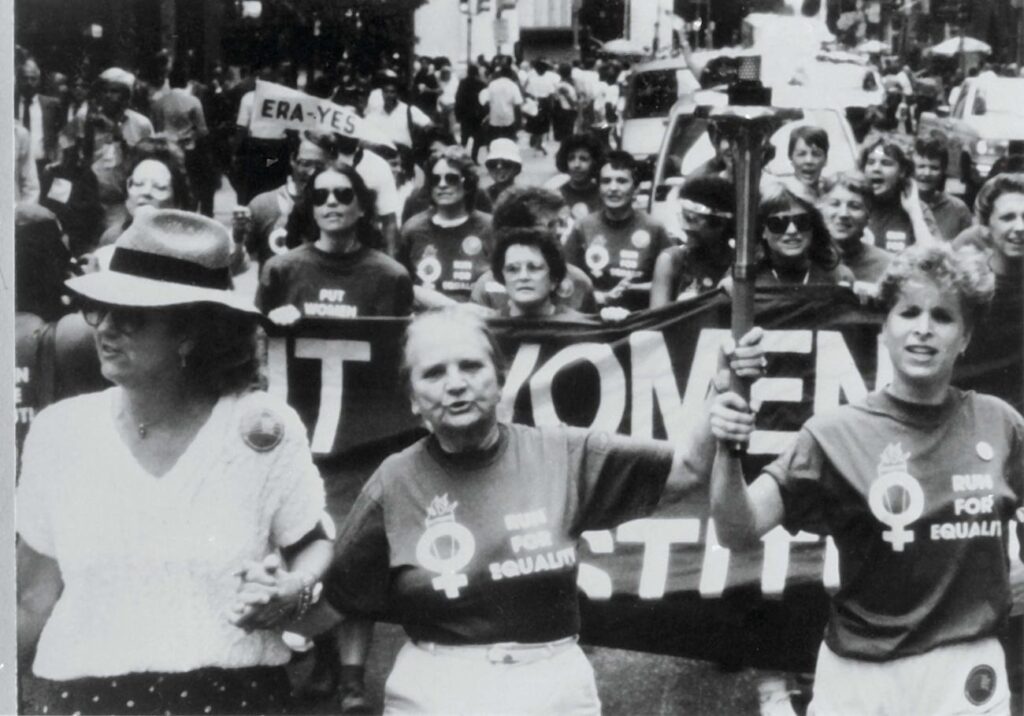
(166, 258)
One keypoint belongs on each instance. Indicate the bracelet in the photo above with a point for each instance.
(308, 595)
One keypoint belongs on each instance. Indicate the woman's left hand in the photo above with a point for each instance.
(746, 358)
(267, 597)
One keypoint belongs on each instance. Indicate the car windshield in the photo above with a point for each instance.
(1005, 96)
(690, 147)
(652, 93)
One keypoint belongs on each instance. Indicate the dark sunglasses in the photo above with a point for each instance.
(343, 195)
(125, 320)
(449, 178)
(778, 223)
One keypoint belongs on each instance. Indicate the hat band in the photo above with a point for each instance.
(167, 268)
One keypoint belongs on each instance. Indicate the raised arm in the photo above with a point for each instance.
(694, 458)
(742, 513)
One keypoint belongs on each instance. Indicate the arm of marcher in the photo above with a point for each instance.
(424, 298)
(39, 586)
(694, 458)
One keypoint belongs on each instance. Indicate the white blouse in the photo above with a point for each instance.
(148, 562)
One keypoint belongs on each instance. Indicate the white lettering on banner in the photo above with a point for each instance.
(332, 355)
(277, 367)
(657, 535)
(835, 372)
(830, 577)
(594, 582)
(788, 390)
(22, 374)
(518, 373)
(653, 379)
(775, 567)
(613, 385)
(715, 569)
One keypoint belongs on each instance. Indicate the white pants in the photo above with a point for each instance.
(967, 678)
(442, 682)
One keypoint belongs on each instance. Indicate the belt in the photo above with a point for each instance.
(510, 652)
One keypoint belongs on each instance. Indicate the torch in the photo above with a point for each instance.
(747, 122)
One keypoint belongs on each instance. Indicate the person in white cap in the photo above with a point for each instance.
(504, 163)
(107, 131)
(171, 525)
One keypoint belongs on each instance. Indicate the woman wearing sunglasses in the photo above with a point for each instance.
(337, 275)
(447, 247)
(170, 526)
(795, 247)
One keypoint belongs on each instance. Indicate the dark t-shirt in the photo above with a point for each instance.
(610, 251)
(322, 285)
(694, 271)
(917, 499)
(814, 275)
(581, 203)
(448, 259)
(891, 226)
(481, 548)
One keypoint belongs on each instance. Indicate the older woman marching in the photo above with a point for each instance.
(468, 538)
(915, 483)
(151, 514)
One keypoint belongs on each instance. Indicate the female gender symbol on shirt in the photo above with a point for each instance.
(457, 551)
(882, 498)
(597, 257)
(429, 270)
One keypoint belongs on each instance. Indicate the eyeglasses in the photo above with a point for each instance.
(778, 223)
(343, 195)
(500, 164)
(126, 320)
(449, 178)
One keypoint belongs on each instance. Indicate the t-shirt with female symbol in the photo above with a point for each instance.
(480, 548)
(446, 258)
(917, 499)
(611, 250)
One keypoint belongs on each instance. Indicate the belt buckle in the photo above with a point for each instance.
(500, 655)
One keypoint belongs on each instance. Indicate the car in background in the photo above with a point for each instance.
(687, 147)
(984, 124)
(651, 91)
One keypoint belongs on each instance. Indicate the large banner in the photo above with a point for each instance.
(662, 583)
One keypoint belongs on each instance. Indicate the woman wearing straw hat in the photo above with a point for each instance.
(172, 524)
(504, 163)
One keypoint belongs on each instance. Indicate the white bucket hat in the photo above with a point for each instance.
(503, 148)
(166, 258)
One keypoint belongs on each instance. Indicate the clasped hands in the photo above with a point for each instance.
(268, 594)
(732, 417)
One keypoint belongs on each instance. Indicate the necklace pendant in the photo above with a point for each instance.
(142, 430)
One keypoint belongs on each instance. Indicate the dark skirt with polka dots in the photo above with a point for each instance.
(258, 690)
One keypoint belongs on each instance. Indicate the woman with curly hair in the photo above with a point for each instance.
(579, 160)
(915, 483)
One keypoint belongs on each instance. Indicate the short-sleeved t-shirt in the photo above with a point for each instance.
(481, 548)
(322, 285)
(917, 499)
(376, 172)
(448, 259)
(610, 250)
(149, 564)
(575, 292)
(503, 96)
